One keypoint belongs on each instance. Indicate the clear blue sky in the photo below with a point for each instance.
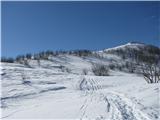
(30, 27)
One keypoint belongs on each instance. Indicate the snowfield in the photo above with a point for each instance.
(48, 92)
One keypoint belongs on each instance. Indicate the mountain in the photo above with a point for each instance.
(139, 47)
(134, 51)
(81, 84)
(121, 58)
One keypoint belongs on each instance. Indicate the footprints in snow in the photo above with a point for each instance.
(117, 107)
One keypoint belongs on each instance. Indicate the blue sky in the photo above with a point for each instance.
(30, 27)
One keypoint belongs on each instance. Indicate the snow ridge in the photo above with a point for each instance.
(134, 45)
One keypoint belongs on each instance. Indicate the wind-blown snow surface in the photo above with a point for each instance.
(47, 92)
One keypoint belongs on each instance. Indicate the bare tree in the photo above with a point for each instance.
(151, 73)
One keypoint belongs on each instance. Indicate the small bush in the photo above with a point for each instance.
(119, 68)
(112, 66)
(68, 70)
(65, 69)
(26, 63)
(100, 70)
(84, 71)
(24, 79)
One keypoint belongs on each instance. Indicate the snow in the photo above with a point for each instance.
(130, 45)
(47, 92)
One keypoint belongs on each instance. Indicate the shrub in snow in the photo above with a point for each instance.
(25, 80)
(84, 71)
(112, 66)
(68, 70)
(100, 70)
(26, 63)
(81, 53)
(65, 69)
(130, 66)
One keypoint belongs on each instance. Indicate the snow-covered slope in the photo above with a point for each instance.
(58, 89)
(128, 45)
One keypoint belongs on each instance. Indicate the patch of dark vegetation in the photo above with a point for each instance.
(100, 70)
(44, 55)
(7, 60)
(84, 71)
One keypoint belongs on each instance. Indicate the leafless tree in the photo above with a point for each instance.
(151, 73)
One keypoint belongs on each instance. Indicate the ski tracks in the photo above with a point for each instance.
(109, 105)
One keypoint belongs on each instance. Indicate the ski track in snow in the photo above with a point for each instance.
(116, 106)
